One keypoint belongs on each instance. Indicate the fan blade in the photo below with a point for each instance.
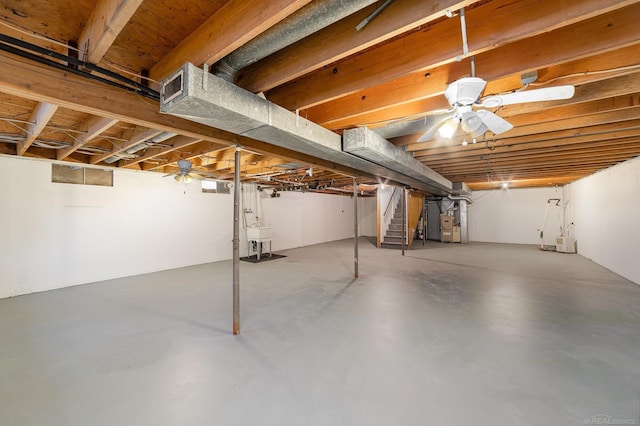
(493, 122)
(536, 95)
(195, 175)
(433, 129)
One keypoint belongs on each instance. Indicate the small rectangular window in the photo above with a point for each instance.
(216, 186)
(81, 175)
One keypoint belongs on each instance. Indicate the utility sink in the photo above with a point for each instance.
(258, 233)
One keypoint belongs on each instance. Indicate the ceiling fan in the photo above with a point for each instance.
(185, 174)
(464, 96)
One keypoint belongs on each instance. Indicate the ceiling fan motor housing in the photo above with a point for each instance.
(184, 165)
(465, 91)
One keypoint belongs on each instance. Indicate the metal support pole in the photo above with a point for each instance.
(404, 219)
(355, 228)
(236, 244)
(424, 220)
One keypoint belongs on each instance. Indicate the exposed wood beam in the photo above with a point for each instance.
(237, 22)
(529, 183)
(417, 93)
(135, 137)
(383, 64)
(91, 128)
(581, 150)
(37, 122)
(631, 113)
(340, 40)
(105, 23)
(605, 130)
(34, 82)
(524, 165)
(498, 148)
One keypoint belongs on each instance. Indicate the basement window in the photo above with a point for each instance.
(216, 186)
(81, 175)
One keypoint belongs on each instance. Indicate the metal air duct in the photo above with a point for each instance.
(306, 21)
(192, 94)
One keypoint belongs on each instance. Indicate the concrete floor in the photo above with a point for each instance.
(483, 334)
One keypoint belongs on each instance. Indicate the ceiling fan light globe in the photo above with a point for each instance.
(178, 178)
(187, 179)
(471, 122)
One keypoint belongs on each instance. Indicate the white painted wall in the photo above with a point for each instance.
(56, 235)
(515, 215)
(605, 208)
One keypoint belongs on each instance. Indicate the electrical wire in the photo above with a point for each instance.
(67, 46)
(11, 41)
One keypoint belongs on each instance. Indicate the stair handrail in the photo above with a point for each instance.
(386, 217)
(393, 195)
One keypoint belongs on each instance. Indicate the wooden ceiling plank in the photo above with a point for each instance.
(339, 40)
(383, 64)
(105, 23)
(237, 22)
(414, 93)
(41, 115)
(90, 128)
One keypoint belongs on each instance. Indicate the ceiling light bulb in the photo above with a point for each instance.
(474, 140)
(447, 130)
(505, 185)
(465, 143)
(187, 179)
(471, 122)
(178, 178)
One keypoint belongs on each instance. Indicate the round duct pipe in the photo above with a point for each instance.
(306, 21)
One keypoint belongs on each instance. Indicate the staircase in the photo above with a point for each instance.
(393, 237)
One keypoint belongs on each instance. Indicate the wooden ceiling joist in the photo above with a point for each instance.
(134, 136)
(90, 129)
(237, 22)
(428, 86)
(107, 20)
(599, 132)
(340, 40)
(37, 122)
(383, 64)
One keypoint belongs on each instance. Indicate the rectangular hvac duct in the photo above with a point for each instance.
(199, 96)
(367, 144)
